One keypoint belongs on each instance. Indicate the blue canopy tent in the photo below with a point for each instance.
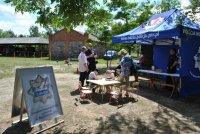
(167, 30)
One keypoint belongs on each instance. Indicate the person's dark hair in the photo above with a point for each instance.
(174, 49)
(95, 70)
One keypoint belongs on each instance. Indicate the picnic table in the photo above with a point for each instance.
(102, 83)
(155, 82)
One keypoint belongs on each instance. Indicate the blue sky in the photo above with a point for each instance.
(20, 23)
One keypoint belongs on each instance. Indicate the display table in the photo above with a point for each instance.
(102, 83)
(155, 82)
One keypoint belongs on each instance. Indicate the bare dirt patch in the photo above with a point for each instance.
(152, 113)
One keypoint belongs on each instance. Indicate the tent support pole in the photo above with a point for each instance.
(180, 63)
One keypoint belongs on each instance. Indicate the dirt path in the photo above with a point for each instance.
(153, 113)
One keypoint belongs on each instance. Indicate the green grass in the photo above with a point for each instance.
(8, 65)
(134, 55)
(102, 61)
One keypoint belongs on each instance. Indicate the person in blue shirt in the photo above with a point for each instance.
(125, 64)
(127, 68)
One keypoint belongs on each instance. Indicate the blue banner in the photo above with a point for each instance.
(190, 64)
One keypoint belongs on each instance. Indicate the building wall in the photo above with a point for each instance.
(63, 45)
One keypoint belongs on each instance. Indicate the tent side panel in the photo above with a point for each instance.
(190, 65)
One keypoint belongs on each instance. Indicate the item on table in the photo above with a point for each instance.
(108, 78)
(152, 67)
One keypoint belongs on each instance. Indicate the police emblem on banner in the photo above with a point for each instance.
(40, 89)
(153, 23)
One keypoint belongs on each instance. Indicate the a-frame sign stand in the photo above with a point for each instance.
(20, 96)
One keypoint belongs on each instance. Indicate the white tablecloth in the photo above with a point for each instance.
(158, 73)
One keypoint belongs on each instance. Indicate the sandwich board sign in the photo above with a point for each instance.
(35, 92)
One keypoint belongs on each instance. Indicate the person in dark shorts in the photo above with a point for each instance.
(91, 59)
(83, 66)
(172, 64)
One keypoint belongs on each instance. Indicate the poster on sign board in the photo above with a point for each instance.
(40, 94)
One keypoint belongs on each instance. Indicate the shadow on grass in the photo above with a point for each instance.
(75, 92)
(118, 123)
(97, 98)
(19, 128)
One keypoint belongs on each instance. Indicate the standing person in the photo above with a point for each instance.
(172, 64)
(172, 61)
(83, 65)
(125, 64)
(91, 59)
(127, 67)
(142, 60)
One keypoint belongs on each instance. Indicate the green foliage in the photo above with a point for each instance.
(34, 31)
(7, 34)
(144, 12)
(98, 23)
(21, 35)
(124, 10)
(9, 64)
(166, 5)
(194, 4)
(58, 13)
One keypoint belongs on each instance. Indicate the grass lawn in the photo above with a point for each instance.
(102, 61)
(8, 65)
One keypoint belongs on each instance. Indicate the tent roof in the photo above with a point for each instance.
(160, 26)
(24, 40)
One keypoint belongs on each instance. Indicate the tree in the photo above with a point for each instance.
(34, 31)
(7, 34)
(142, 12)
(21, 35)
(194, 4)
(99, 23)
(166, 5)
(58, 13)
(124, 10)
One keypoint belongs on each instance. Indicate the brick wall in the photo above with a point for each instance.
(64, 44)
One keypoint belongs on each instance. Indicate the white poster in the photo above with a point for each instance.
(41, 94)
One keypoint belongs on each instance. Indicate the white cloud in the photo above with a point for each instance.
(184, 3)
(17, 22)
(6, 24)
(6, 8)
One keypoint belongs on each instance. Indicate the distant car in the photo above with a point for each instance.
(110, 54)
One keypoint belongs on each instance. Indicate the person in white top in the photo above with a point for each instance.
(83, 66)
